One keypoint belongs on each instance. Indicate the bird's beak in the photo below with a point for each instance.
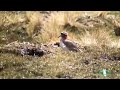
(59, 36)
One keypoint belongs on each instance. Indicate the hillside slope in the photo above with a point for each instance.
(96, 32)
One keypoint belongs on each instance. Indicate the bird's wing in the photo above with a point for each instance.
(70, 44)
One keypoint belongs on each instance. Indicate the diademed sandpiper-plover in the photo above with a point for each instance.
(67, 44)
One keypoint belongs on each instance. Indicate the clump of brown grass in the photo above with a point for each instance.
(97, 37)
(35, 20)
(8, 18)
(54, 24)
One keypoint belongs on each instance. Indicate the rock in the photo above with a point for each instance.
(86, 62)
(90, 22)
(64, 76)
(117, 31)
(35, 52)
(25, 48)
(115, 58)
(110, 57)
(57, 44)
(104, 56)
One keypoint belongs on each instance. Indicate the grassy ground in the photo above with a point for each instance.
(100, 45)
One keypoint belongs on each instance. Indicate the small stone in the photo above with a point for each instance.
(86, 62)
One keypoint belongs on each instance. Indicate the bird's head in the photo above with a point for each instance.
(63, 35)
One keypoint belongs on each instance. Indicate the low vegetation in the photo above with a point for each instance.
(97, 33)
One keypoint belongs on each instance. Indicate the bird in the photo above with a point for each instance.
(67, 44)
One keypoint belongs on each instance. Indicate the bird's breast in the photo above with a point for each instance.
(62, 45)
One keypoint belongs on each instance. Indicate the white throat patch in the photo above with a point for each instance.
(62, 45)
